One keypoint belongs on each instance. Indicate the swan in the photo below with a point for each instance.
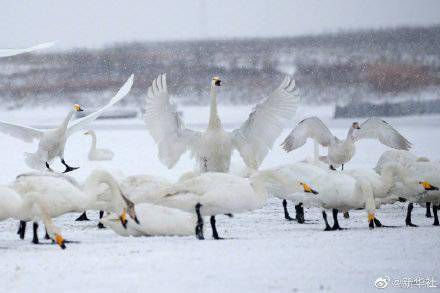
(52, 141)
(62, 194)
(27, 208)
(340, 151)
(212, 148)
(13, 52)
(96, 154)
(212, 193)
(154, 221)
(422, 170)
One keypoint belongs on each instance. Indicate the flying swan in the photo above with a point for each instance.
(52, 141)
(13, 52)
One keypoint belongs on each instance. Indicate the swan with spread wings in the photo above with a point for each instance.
(212, 148)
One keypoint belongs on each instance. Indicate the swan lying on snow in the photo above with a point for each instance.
(27, 208)
(52, 141)
(13, 52)
(340, 151)
(421, 170)
(96, 154)
(154, 221)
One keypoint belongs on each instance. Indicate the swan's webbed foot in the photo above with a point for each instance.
(21, 229)
(435, 210)
(68, 168)
(346, 215)
(229, 215)
(83, 217)
(408, 221)
(35, 239)
(332, 168)
(428, 209)
(214, 229)
(286, 212)
(299, 209)
(46, 236)
(327, 226)
(199, 225)
(335, 220)
(100, 225)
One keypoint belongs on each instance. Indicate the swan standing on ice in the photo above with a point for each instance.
(27, 208)
(13, 52)
(96, 154)
(52, 141)
(340, 151)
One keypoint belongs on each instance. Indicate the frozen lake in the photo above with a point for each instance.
(262, 252)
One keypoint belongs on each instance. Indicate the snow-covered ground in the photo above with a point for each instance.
(262, 252)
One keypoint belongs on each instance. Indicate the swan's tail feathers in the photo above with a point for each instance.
(34, 161)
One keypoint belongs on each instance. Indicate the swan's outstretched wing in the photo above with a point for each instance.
(379, 129)
(311, 127)
(257, 134)
(24, 133)
(12, 52)
(165, 125)
(83, 122)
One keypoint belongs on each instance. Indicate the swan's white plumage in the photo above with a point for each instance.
(13, 52)
(24, 133)
(98, 154)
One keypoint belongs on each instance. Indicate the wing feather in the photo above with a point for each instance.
(165, 124)
(12, 52)
(258, 133)
(311, 127)
(376, 128)
(24, 133)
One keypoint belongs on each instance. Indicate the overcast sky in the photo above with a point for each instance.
(97, 23)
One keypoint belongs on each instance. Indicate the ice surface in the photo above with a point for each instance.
(262, 252)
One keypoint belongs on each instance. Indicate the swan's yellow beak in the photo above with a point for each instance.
(307, 188)
(370, 217)
(427, 186)
(60, 241)
(216, 81)
(123, 218)
(77, 108)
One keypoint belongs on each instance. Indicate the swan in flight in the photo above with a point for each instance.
(52, 141)
(13, 52)
(420, 169)
(27, 208)
(212, 148)
(96, 154)
(340, 151)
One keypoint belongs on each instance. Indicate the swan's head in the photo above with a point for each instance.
(77, 107)
(55, 234)
(216, 81)
(307, 188)
(427, 186)
(130, 210)
(355, 125)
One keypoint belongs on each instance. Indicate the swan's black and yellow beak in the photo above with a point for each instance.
(132, 214)
(60, 241)
(307, 189)
(123, 218)
(427, 186)
(356, 125)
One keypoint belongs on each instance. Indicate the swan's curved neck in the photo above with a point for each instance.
(214, 120)
(67, 120)
(350, 134)
(92, 188)
(93, 145)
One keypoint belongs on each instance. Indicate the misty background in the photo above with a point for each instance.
(364, 54)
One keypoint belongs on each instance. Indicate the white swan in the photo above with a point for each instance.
(420, 169)
(62, 194)
(52, 141)
(212, 149)
(154, 221)
(96, 154)
(13, 52)
(342, 151)
(27, 208)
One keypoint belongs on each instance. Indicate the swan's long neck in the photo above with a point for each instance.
(214, 120)
(93, 145)
(92, 189)
(66, 121)
(350, 135)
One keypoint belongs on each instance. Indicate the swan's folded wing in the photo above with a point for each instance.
(12, 52)
(258, 133)
(83, 122)
(377, 128)
(166, 126)
(311, 127)
(24, 133)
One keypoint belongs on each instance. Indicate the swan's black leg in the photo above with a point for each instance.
(342, 167)
(83, 217)
(68, 168)
(48, 167)
(35, 237)
(335, 220)
(199, 226)
(100, 225)
(22, 229)
(299, 209)
(214, 229)
(428, 210)
(327, 226)
(346, 215)
(408, 215)
(229, 215)
(332, 168)
(435, 210)
(46, 236)
(286, 212)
